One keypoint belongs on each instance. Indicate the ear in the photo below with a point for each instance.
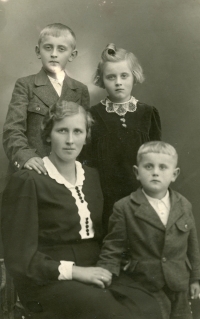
(175, 174)
(73, 55)
(37, 51)
(135, 170)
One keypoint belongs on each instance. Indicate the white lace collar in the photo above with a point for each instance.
(120, 108)
(54, 174)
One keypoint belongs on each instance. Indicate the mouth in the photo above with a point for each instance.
(155, 181)
(68, 149)
(55, 62)
(119, 90)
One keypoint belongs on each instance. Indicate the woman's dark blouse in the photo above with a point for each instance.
(40, 225)
(114, 147)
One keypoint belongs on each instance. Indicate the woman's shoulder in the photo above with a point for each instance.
(90, 170)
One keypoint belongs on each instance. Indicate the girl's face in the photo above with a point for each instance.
(118, 81)
(67, 138)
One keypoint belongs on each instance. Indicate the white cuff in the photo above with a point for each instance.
(65, 270)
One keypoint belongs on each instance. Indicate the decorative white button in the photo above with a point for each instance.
(124, 125)
(122, 119)
(186, 226)
(164, 259)
(15, 163)
(37, 108)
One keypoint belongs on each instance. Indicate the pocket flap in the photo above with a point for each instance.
(184, 225)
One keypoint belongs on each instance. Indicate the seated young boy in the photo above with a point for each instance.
(157, 225)
(34, 94)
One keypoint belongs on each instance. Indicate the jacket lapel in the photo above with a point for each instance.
(44, 89)
(70, 91)
(176, 210)
(145, 211)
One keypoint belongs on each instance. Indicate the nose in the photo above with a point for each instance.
(155, 171)
(54, 53)
(118, 81)
(69, 138)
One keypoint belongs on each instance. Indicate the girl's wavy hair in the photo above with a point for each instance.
(113, 54)
(58, 112)
(158, 147)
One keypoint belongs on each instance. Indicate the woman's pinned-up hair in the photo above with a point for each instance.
(59, 111)
(113, 54)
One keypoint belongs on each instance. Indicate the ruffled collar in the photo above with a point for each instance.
(120, 108)
(54, 174)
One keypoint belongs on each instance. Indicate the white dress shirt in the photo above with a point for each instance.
(161, 206)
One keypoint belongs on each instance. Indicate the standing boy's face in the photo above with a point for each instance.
(118, 81)
(55, 53)
(155, 172)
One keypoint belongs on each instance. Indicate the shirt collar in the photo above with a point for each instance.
(165, 199)
(59, 80)
(120, 108)
(54, 174)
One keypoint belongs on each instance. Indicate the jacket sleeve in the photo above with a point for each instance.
(20, 232)
(14, 132)
(193, 253)
(85, 98)
(155, 129)
(115, 243)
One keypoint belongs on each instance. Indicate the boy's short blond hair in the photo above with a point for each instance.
(113, 54)
(157, 147)
(56, 30)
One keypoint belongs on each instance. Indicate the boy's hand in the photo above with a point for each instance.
(92, 275)
(37, 164)
(195, 290)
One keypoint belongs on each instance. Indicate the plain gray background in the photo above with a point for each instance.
(163, 34)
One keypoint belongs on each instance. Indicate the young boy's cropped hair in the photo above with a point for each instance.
(158, 147)
(33, 95)
(56, 30)
(159, 233)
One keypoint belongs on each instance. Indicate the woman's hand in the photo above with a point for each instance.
(92, 275)
(37, 164)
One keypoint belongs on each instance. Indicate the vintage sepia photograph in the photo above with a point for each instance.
(99, 159)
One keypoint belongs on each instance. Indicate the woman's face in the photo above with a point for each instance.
(67, 138)
(118, 81)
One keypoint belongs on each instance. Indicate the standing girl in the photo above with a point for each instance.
(122, 125)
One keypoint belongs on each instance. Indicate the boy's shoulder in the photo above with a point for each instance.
(137, 198)
(41, 78)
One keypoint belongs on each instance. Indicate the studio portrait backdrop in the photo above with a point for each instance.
(163, 34)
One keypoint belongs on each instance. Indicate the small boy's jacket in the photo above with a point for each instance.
(159, 255)
(31, 99)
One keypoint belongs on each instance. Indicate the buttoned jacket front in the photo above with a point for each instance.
(31, 99)
(159, 256)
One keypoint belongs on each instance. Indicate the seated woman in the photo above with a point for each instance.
(51, 227)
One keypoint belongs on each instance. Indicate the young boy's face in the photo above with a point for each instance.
(55, 53)
(155, 172)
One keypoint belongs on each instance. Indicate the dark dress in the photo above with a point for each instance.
(41, 225)
(115, 141)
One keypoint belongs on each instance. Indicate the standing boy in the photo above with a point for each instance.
(158, 226)
(34, 94)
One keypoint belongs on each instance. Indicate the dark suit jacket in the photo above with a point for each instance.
(159, 256)
(31, 99)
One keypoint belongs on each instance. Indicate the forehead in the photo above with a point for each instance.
(158, 158)
(116, 67)
(71, 121)
(62, 39)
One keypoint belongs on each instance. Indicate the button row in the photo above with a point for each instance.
(123, 120)
(79, 194)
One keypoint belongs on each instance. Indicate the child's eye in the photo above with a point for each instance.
(148, 166)
(47, 47)
(111, 77)
(163, 167)
(61, 49)
(124, 75)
